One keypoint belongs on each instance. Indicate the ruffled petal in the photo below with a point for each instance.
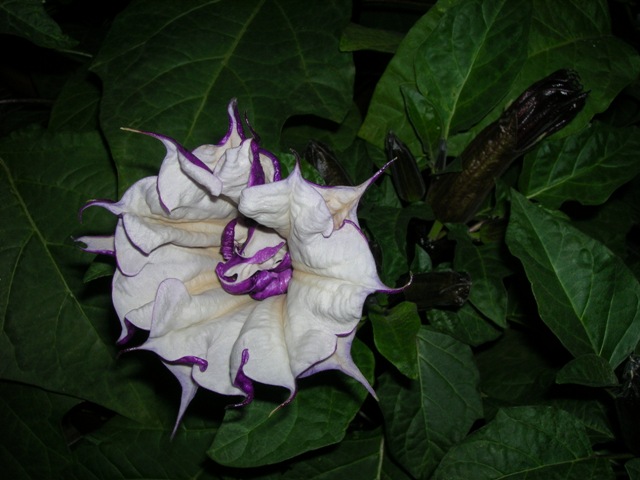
(205, 326)
(262, 336)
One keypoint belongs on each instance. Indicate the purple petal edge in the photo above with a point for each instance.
(190, 360)
(234, 122)
(256, 176)
(93, 203)
(183, 151)
(277, 171)
(130, 332)
(243, 382)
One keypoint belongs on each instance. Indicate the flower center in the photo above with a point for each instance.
(258, 264)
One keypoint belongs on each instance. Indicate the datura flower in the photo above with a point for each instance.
(239, 276)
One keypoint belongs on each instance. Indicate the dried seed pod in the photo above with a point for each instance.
(438, 289)
(405, 174)
(324, 160)
(544, 108)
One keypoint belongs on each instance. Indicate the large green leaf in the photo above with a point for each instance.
(357, 456)
(57, 333)
(594, 414)
(34, 447)
(526, 443)
(576, 34)
(125, 449)
(590, 370)
(30, 20)
(514, 369)
(172, 67)
(465, 324)
(393, 331)
(76, 108)
(261, 434)
(471, 58)
(487, 267)
(585, 294)
(387, 109)
(424, 418)
(586, 167)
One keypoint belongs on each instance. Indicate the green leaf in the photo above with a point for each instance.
(395, 334)
(424, 418)
(576, 34)
(590, 370)
(471, 58)
(592, 413)
(611, 222)
(29, 19)
(389, 227)
(125, 449)
(465, 324)
(515, 369)
(526, 442)
(319, 416)
(197, 57)
(487, 267)
(387, 109)
(57, 333)
(585, 294)
(586, 167)
(34, 447)
(99, 269)
(31, 442)
(426, 123)
(633, 469)
(570, 34)
(357, 456)
(76, 108)
(357, 37)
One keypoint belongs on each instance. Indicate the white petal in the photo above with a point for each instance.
(263, 336)
(234, 169)
(184, 179)
(189, 389)
(193, 266)
(277, 205)
(204, 326)
(341, 360)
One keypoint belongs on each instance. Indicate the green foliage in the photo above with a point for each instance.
(585, 294)
(519, 382)
(526, 442)
(29, 19)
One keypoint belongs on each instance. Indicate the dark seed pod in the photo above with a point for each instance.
(324, 160)
(405, 173)
(438, 289)
(544, 108)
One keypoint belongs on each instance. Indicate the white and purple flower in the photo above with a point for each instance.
(239, 276)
